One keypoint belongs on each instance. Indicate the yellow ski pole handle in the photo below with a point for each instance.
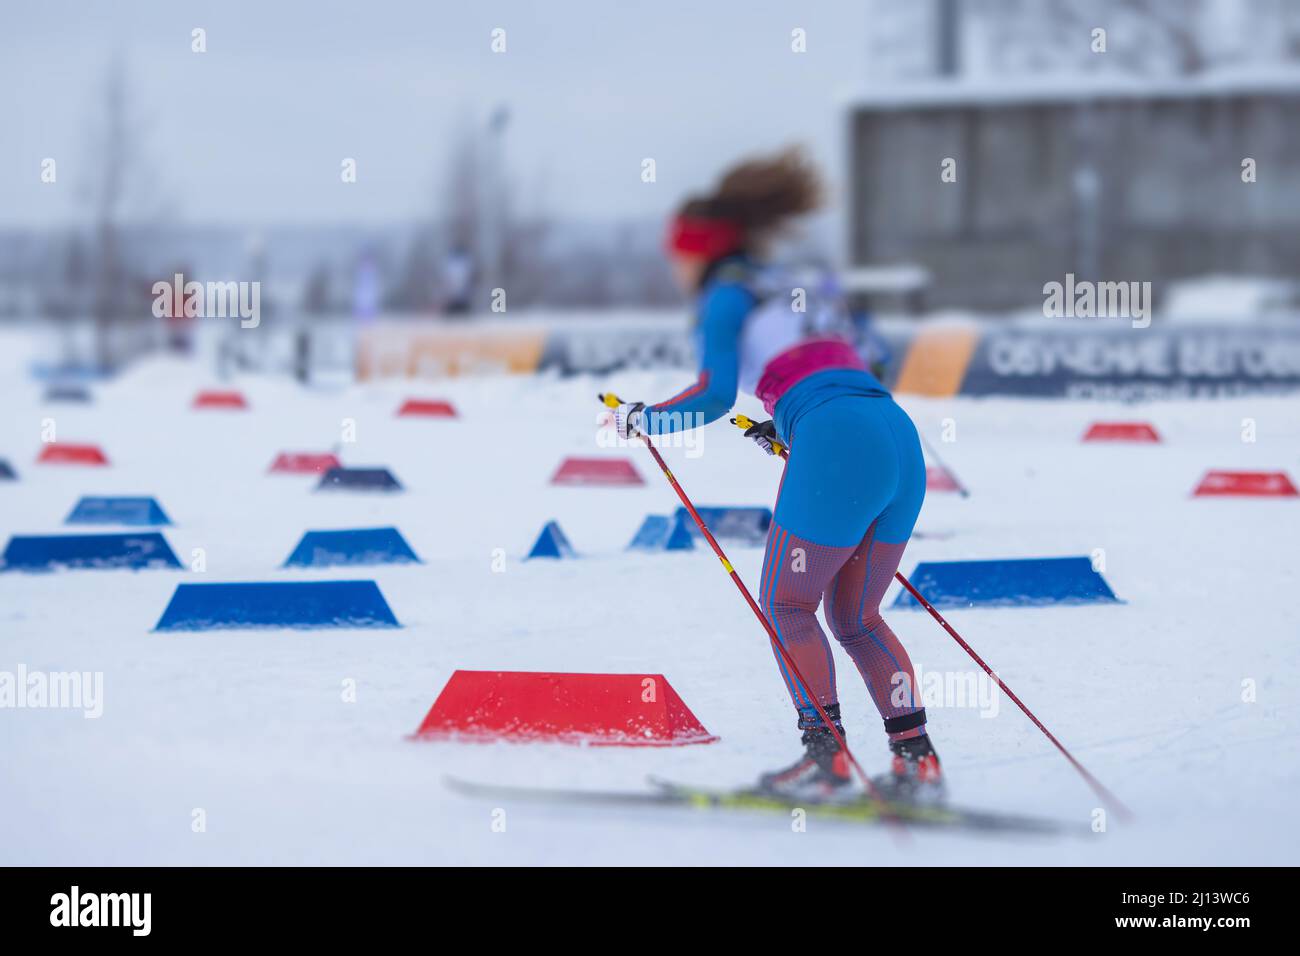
(744, 424)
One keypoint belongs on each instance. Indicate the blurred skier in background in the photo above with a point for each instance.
(855, 478)
(458, 278)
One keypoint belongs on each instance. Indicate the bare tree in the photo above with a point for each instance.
(120, 187)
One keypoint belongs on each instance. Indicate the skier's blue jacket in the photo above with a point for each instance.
(856, 461)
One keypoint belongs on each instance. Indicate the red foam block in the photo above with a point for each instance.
(304, 462)
(1121, 431)
(426, 408)
(936, 479)
(211, 399)
(1250, 484)
(628, 710)
(596, 471)
(58, 453)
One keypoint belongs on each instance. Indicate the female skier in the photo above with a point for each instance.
(854, 481)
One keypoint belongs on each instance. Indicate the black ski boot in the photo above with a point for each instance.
(821, 774)
(915, 775)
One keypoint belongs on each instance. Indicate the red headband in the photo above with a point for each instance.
(706, 238)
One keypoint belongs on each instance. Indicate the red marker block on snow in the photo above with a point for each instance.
(213, 399)
(596, 471)
(303, 463)
(426, 408)
(58, 453)
(624, 710)
(937, 479)
(1139, 432)
(1246, 484)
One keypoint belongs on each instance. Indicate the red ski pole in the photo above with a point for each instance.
(1123, 812)
(612, 401)
(1106, 796)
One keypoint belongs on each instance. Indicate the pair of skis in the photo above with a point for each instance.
(862, 810)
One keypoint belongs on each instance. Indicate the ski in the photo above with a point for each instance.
(663, 793)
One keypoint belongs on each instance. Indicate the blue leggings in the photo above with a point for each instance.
(855, 460)
(850, 497)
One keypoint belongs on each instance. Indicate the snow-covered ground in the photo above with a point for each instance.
(252, 727)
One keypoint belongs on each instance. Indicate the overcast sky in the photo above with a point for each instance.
(254, 130)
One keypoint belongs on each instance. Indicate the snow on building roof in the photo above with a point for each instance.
(1005, 90)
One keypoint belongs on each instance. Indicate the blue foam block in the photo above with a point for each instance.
(662, 533)
(323, 549)
(743, 525)
(7, 472)
(358, 479)
(551, 543)
(52, 552)
(128, 511)
(652, 534)
(291, 604)
(67, 392)
(681, 537)
(1017, 582)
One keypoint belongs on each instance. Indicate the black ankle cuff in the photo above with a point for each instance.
(898, 725)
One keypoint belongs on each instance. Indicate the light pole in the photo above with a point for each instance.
(492, 198)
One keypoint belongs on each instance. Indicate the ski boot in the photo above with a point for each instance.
(822, 774)
(915, 775)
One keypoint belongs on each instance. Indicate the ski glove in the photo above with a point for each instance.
(629, 419)
(764, 435)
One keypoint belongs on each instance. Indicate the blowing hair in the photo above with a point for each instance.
(761, 195)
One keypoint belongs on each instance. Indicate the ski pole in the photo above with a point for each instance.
(612, 401)
(1106, 796)
(740, 421)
